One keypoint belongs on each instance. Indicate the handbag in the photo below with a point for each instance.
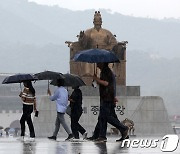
(68, 110)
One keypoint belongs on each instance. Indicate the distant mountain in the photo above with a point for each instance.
(156, 76)
(28, 22)
(32, 39)
(18, 58)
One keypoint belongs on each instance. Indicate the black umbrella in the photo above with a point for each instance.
(96, 56)
(49, 75)
(18, 78)
(71, 80)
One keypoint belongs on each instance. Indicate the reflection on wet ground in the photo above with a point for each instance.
(45, 146)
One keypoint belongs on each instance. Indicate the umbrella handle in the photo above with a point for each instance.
(95, 69)
(20, 87)
(48, 87)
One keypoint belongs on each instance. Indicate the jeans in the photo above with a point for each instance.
(26, 116)
(60, 120)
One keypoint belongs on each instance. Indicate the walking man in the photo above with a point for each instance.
(61, 98)
(107, 96)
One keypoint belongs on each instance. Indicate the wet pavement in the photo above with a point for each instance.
(10, 145)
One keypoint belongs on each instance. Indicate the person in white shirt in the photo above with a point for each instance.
(61, 98)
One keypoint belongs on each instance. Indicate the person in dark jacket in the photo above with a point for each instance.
(76, 112)
(107, 113)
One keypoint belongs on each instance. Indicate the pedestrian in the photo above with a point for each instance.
(107, 97)
(61, 98)
(29, 104)
(76, 112)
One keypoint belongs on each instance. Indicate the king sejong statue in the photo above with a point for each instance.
(98, 37)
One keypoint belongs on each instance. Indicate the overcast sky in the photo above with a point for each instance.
(138, 8)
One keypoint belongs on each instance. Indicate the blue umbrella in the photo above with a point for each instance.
(18, 78)
(96, 56)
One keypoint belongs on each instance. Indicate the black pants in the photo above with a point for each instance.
(75, 126)
(26, 116)
(97, 129)
(107, 115)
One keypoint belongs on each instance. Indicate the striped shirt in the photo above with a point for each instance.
(27, 97)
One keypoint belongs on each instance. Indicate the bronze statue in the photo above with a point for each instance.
(97, 37)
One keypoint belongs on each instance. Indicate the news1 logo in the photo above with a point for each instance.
(169, 143)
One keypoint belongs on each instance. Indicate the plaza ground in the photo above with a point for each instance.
(10, 145)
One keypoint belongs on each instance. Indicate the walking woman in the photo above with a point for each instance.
(76, 112)
(29, 104)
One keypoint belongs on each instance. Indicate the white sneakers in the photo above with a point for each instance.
(31, 139)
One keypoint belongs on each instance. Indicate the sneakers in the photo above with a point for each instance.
(121, 139)
(31, 139)
(70, 137)
(20, 139)
(101, 139)
(125, 133)
(52, 137)
(91, 138)
(85, 135)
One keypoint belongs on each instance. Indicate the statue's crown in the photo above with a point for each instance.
(97, 17)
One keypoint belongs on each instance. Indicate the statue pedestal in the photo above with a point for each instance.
(148, 113)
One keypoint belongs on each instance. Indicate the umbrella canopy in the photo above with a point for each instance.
(71, 80)
(18, 78)
(15, 124)
(49, 75)
(96, 56)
